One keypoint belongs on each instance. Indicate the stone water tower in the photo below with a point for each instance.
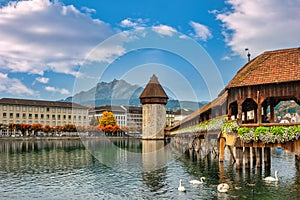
(154, 100)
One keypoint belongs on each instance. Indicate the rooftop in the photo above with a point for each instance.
(154, 91)
(29, 102)
(276, 66)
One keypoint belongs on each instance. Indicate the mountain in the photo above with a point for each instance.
(119, 92)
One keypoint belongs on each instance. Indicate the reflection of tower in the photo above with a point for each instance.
(154, 100)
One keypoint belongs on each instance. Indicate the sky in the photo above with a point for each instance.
(51, 50)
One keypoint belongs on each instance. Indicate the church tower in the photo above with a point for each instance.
(154, 100)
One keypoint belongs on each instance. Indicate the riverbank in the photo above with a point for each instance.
(64, 138)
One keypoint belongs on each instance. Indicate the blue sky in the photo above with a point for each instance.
(53, 49)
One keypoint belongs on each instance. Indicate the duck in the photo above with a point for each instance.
(271, 179)
(197, 181)
(181, 187)
(223, 187)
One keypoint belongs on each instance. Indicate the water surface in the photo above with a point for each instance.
(131, 169)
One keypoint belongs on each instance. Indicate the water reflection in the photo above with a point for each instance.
(132, 169)
(37, 156)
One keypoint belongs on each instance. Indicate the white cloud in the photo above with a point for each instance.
(60, 90)
(42, 79)
(128, 23)
(88, 10)
(201, 31)
(164, 30)
(226, 58)
(13, 86)
(39, 35)
(261, 25)
(133, 23)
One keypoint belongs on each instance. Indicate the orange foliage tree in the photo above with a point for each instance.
(108, 123)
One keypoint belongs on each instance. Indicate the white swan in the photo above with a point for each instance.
(197, 181)
(223, 187)
(181, 187)
(270, 178)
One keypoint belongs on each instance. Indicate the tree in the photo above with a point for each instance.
(48, 129)
(36, 128)
(107, 118)
(94, 121)
(12, 128)
(108, 123)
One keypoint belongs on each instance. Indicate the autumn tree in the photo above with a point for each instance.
(108, 122)
(107, 118)
(36, 128)
(48, 129)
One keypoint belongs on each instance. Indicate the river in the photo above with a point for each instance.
(132, 169)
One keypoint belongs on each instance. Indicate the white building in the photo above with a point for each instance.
(53, 113)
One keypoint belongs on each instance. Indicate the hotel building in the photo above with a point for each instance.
(53, 113)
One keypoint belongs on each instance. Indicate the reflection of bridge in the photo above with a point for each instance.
(250, 99)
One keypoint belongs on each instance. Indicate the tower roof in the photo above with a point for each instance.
(153, 92)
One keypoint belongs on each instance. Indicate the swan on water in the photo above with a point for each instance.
(223, 187)
(270, 178)
(197, 181)
(181, 187)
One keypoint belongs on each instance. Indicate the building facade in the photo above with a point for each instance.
(53, 113)
(126, 116)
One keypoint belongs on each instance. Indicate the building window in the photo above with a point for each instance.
(17, 108)
(58, 116)
(23, 108)
(58, 110)
(4, 115)
(48, 116)
(30, 116)
(36, 109)
(65, 117)
(64, 110)
(17, 115)
(42, 109)
(24, 115)
(42, 116)
(69, 116)
(11, 108)
(53, 109)
(11, 115)
(4, 107)
(47, 109)
(36, 116)
(30, 109)
(53, 116)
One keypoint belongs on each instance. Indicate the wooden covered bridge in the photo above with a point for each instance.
(245, 110)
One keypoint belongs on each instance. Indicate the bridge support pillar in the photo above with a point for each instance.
(239, 157)
(297, 162)
(267, 157)
(258, 157)
(247, 157)
(221, 149)
(253, 156)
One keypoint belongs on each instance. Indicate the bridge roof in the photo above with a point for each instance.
(219, 101)
(270, 67)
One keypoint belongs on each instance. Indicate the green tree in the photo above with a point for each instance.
(107, 118)
(94, 121)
